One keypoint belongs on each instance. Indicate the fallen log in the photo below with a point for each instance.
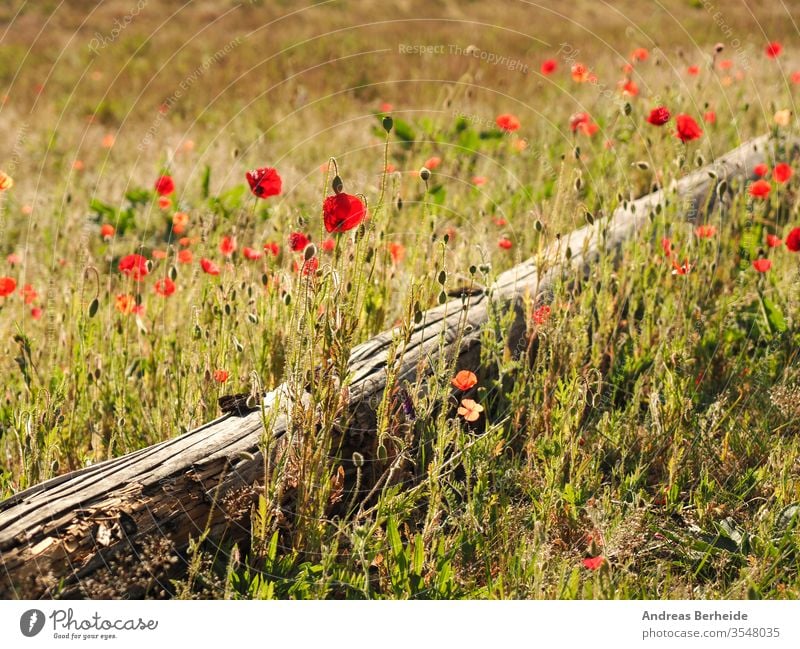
(60, 532)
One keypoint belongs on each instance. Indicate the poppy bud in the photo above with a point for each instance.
(641, 164)
(718, 48)
(388, 122)
(358, 460)
(93, 307)
(627, 109)
(337, 185)
(442, 278)
(425, 174)
(538, 225)
(399, 202)
(442, 297)
(310, 251)
(589, 218)
(577, 153)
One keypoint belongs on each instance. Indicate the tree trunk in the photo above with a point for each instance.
(56, 535)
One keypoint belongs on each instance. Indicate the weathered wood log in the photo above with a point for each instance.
(59, 532)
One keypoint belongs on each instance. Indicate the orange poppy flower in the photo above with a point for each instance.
(470, 410)
(464, 380)
(6, 181)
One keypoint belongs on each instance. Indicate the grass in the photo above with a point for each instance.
(656, 424)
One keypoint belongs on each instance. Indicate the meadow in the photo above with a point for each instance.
(219, 198)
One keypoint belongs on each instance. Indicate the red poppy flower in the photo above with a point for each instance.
(29, 294)
(681, 269)
(639, 54)
(7, 286)
(795, 77)
(793, 240)
(227, 246)
(761, 169)
(298, 241)
(158, 254)
(580, 73)
(397, 251)
(179, 222)
(505, 243)
(782, 172)
(710, 117)
(164, 287)
(499, 221)
(760, 189)
(464, 380)
(773, 49)
(164, 202)
(309, 266)
(542, 314)
(134, 266)
(209, 266)
(470, 410)
(185, 256)
(593, 563)
(548, 66)
(705, 231)
(185, 242)
(666, 246)
(629, 88)
(658, 116)
(342, 212)
(773, 241)
(165, 185)
(36, 313)
(693, 70)
(273, 248)
(264, 182)
(125, 303)
(508, 122)
(479, 180)
(329, 244)
(386, 107)
(107, 231)
(220, 376)
(432, 163)
(762, 264)
(13, 259)
(251, 253)
(688, 129)
(584, 123)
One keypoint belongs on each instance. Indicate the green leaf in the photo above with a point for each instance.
(775, 318)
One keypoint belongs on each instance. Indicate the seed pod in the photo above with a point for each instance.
(388, 122)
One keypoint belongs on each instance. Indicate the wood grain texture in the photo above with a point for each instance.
(58, 533)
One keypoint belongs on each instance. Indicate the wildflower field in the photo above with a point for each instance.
(209, 199)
